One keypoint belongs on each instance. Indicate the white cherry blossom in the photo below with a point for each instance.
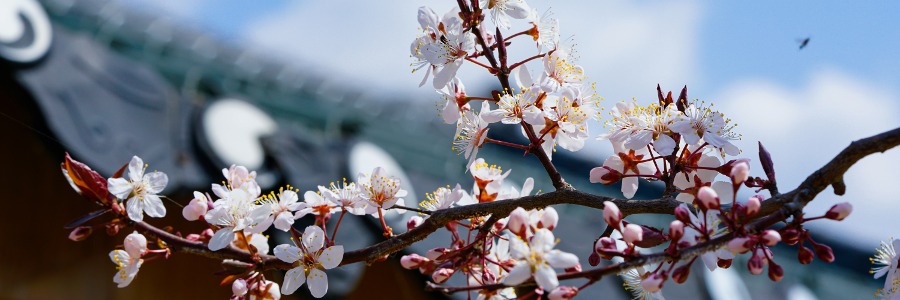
(502, 10)
(886, 260)
(444, 198)
(701, 122)
(347, 197)
(141, 191)
(514, 108)
(380, 190)
(283, 205)
(311, 261)
(545, 29)
(128, 262)
(443, 46)
(235, 213)
(454, 96)
(537, 258)
(471, 131)
(560, 71)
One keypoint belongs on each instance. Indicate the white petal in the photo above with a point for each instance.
(154, 206)
(442, 77)
(313, 238)
(288, 253)
(293, 279)
(450, 113)
(135, 168)
(156, 182)
(533, 116)
(135, 208)
(528, 186)
(559, 259)
(221, 239)
(318, 283)
(518, 274)
(725, 192)
(284, 221)
(710, 260)
(523, 77)
(492, 116)
(664, 145)
(119, 187)
(639, 140)
(546, 277)
(629, 186)
(331, 257)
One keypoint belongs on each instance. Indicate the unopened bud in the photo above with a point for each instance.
(632, 233)
(605, 175)
(790, 236)
(135, 244)
(776, 273)
(753, 205)
(651, 237)
(563, 293)
(196, 208)
(756, 264)
(805, 255)
(683, 214)
(518, 220)
(576, 268)
(80, 233)
(738, 245)
(441, 275)
(724, 263)
(414, 222)
(239, 288)
(594, 259)
(676, 230)
(771, 237)
(680, 275)
(653, 283)
(413, 261)
(708, 198)
(739, 172)
(824, 252)
(611, 214)
(606, 247)
(548, 219)
(112, 229)
(839, 211)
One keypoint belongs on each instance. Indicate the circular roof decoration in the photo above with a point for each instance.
(25, 31)
(233, 127)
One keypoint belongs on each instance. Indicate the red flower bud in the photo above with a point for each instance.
(790, 236)
(756, 264)
(611, 214)
(605, 175)
(724, 263)
(563, 293)
(680, 275)
(576, 268)
(413, 261)
(594, 259)
(805, 255)
(676, 230)
(824, 252)
(80, 233)
(414, 222)
(441, 275)
(683, 214)
(771, 237)
(739, 245)
(839, 211)
(518, 221)
(776, 273)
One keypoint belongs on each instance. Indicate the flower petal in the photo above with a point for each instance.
(135, 168)
(154, 206)
(288, 253)
(318, 283)
(559, 259)
(331, 257)
(135, 208)
(546, 277)
(156, 182)
(119, 187)
(313, 238)
(518, 274)
(221, 239)
(293, 279)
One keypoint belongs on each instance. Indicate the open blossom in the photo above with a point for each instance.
(488, 180)
(501, 10)
(455, 102)
(637, 126)
(635, 283)
(566, 121)
(538, 258)
(545, 30)
(514, 108)
(559, 71)
(626, 162)
(444, 198)
(886, 262)
(316, 205)
(129, 261)
(237, 177)
(688, 183)
(283, 206)
(264, 289)
(233, 214)
(701, 122)
(347, 197)
(141, 191)
(381, 191)
(443, 46)
(471, 131)
(311, 261)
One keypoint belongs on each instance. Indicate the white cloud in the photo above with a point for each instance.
(804, 128)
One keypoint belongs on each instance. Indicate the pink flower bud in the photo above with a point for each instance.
(653, 283)
(756, 264)
(839, 211)
(724, 263)
(753, 205)
(824, 252)
(412, 261)
(680, 274)
(435, 253)
(683, 214)
(790, 236)
(196, 208)
(708, 198)
(135, 244)
(563, 293)
(239, 288)
(676, 230)
(518, 221)
(611, 214)
(632, 233)
(805, 255)
(739, 172)
(548, 219)
(605, 175)
(414, 222)
(606, 247)
(776, 273)
(441, 275)
(576, 268)
(80, 233)
(207, 234)
(738, 245)
(771, 237)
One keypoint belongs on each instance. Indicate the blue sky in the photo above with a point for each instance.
(804, 105)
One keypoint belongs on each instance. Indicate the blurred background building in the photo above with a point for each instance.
(105, 80)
